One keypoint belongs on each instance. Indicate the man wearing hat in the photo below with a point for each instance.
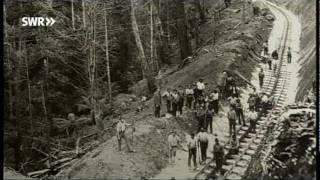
(203, 143)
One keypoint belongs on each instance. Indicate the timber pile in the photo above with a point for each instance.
(293, 150)
(61, 160)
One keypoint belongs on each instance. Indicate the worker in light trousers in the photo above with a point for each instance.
(203, 143)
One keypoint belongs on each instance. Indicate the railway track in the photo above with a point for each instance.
(235, 165)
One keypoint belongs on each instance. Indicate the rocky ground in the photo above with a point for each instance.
(236, 48)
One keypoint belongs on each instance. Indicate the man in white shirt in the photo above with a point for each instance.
(252, 117)
(200, 86)
(189, 96)
(173, 141)
(264, 103)
(192, 146)
(168, 98)
(203, 143)
(121, 130)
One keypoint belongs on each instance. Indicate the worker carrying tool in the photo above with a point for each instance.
(192, 147)
(203, 141)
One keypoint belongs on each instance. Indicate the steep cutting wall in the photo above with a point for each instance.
(306, 10)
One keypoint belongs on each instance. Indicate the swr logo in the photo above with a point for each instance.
(37, 21)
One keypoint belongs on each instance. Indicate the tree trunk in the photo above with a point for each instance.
(29, 90)
(151, 35)
(46, 99)
(147, 73)
(72, 14)
(107, 56)
(92, 67)
(83, 13)
(201, 11)
(185, 46)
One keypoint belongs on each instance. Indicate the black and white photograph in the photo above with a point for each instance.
(160, 89)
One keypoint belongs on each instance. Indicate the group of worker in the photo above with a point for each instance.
(273, 61)
(205, 106)
(191, 97)
(194, 143)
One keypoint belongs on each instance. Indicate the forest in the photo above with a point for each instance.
(62, 79)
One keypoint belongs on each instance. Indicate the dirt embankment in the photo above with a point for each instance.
(306, 10)
(236, 47)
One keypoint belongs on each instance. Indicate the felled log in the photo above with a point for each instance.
(55, 163)
(38, 173)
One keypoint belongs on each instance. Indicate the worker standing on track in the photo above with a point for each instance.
(289, 56)
(275, 57)
(234, 145)
(252, 117)
(264, 104)
(252, 101)
(121, 133)
(234, 90)
(232, 101)
(157, 103)
(203, 143)
(173, 141)
(239, 112)
(232, 121)
(209, 116)
(261, 78)
(265, 48)
(192, 147)
(218, 155)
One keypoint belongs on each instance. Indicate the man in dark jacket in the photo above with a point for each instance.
(275, 55)
(218, 155)
(261, 78)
